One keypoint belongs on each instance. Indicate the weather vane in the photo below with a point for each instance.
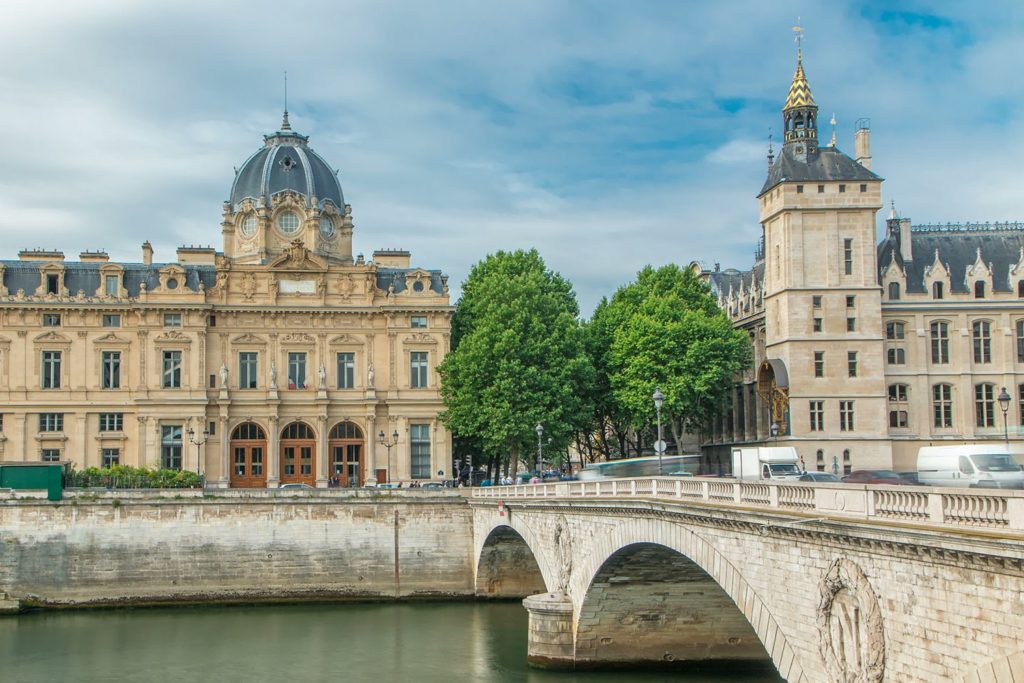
(798, 30)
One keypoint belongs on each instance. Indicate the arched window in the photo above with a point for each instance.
(940, 342)
(847, 463)
(346, 430)
(297, 430)
(942, 406)
(981, 331)
(894, 291)
(937, 290)
(985, 405)
(248, 431)
(820, 460)
(895, 330)
(979, 289)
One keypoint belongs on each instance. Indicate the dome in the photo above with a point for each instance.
(285, 163)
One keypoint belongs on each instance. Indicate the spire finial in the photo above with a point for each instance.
(284, 121)
(798, 30)
(771, 150)
(833, 122)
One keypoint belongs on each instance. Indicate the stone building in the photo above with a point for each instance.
(865, 350)
(289, 356)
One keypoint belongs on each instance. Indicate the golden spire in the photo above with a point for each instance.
(799, 91)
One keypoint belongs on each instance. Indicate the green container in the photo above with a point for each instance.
(34, 475)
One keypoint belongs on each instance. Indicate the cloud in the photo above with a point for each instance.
(608, 136)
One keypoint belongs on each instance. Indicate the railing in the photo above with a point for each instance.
(954, 508)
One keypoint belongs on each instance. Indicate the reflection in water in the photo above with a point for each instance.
(422, 642)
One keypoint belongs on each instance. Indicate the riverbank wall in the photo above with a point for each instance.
(123, 548)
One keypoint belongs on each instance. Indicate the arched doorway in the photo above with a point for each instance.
(248, 456)
(345, 445)
(298, 454)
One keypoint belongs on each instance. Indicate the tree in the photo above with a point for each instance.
(517, 359)
(670, 333)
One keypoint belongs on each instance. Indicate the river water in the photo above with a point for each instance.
(417, 642)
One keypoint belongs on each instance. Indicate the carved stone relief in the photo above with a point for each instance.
(563, 554)
(850, 626)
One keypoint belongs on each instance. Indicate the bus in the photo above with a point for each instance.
(642, 467)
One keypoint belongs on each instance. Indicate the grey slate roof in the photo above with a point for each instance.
(286, 162)
(823, 164)
(396, 276)
(86, 276)
(958, 249)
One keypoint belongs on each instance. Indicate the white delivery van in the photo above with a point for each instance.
(775, 463)
(969, 466)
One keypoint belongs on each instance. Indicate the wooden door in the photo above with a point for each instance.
(248, 465)
(298, 462)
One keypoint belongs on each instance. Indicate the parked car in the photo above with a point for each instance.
(680, 474)
(911, 478)
(295, 486)
(887, 477)
(433, 485)
(820, 477)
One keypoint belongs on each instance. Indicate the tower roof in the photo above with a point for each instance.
(799, 90)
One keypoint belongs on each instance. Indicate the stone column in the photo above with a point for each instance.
(273, 453)
(321, 452)
(550, 642)
(225, 451)
(141, 443)
(370, 458)
(21, 445)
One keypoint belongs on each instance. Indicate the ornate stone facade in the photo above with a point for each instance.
(289, 353)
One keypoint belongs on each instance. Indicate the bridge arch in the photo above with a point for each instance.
(507, 567)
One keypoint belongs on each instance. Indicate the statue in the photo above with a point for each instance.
(273, 376)
(323, 376)
(321, 286)
(223, 376)
(273, 286)
(369, 376)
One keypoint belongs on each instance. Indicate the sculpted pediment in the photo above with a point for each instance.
(111, 338)
(248, 339)
(52, 338)
(298, 257)
(297, 338)
(173, 336)
(345, 339)
(420, 338)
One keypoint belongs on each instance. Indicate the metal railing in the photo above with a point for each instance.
(932, 506)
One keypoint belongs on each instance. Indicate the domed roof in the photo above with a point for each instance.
(286, 162)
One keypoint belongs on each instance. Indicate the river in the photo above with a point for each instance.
(417, 642)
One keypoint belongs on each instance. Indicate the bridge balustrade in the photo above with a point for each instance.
(960, 508)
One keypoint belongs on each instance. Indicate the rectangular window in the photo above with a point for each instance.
(418, 369)
(418, 321)
(985, 405)
(52, 284)
(111, 320)
(247, 366)
(842, 188)
(899, 418)
(172, 319)
(1, 423)
(111, 285)
(940, 342)
(110, 370)
(111, 457)
(51, 422)
(817, 324)
(821, 189)
(50, 454)
(942, 406)
(895, 331)
(863, 187)
(111, 422)
(846, 416)
(172, 370)
(296, 370)
(51, 319)
(1020, 408)
(851, 324)
(851, 363)
(799, 189)
(819, 363)
(212, 428)
(848, 256)
(896, 356)
(1020, 341)
(170, 447)
(419, 445)
(851, 301)
(982, 337)
(898, 392)
(346, 371)
(816, 301)
(212, 321)
(817, 414)
(51, 370)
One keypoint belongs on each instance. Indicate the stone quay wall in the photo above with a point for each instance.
(122, 548)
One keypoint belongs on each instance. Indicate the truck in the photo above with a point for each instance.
(766, 463)
(969, 466)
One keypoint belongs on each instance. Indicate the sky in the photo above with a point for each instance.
(608, 135)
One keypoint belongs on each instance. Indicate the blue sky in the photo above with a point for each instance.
(608, 135)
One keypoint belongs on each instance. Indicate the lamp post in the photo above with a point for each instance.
(388, 444)
(540, 450)
(659, 400)
(774, 429)
(1004, 405)
(198, 443)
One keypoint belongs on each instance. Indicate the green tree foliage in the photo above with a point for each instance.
(670, 333)
(126, 477)
(517, 359)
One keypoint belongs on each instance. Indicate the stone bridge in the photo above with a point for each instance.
(827, 582)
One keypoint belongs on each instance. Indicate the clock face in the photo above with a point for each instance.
(249, 226)
(288, 223)
(326, 226)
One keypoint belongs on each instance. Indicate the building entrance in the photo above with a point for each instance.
(248, 448)
(346, 449)
(298, 454)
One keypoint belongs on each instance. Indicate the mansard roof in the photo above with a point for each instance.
(730, 279)
(822, 164)
(86, 276)
(957, 246)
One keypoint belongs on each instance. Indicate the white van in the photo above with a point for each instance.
(969, 466)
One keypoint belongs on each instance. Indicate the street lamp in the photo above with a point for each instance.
(1004, 405)
(540, 450)
(388, 445)
(774, 429)
(659, 400)
(198, 443)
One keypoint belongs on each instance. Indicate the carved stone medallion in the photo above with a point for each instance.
(852, 641)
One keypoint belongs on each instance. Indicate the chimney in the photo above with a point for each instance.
(905, 250)
(862, 143)
(147, 253)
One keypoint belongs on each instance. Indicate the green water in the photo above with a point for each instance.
(351, 642)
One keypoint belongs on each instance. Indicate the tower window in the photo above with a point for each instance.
(851, 300)
(848, 256)
(821, 189)
(819, 363)
(851, 324)
(863, 187)
(851, 363)
(842, 188)
(817, 324)
(816, 301)
(799, 189)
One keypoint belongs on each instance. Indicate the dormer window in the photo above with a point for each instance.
(979, 289)
(894, 291)
(937, 290)
(1020, 289)
(111, 285)
(249, 225)
(52, 283)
